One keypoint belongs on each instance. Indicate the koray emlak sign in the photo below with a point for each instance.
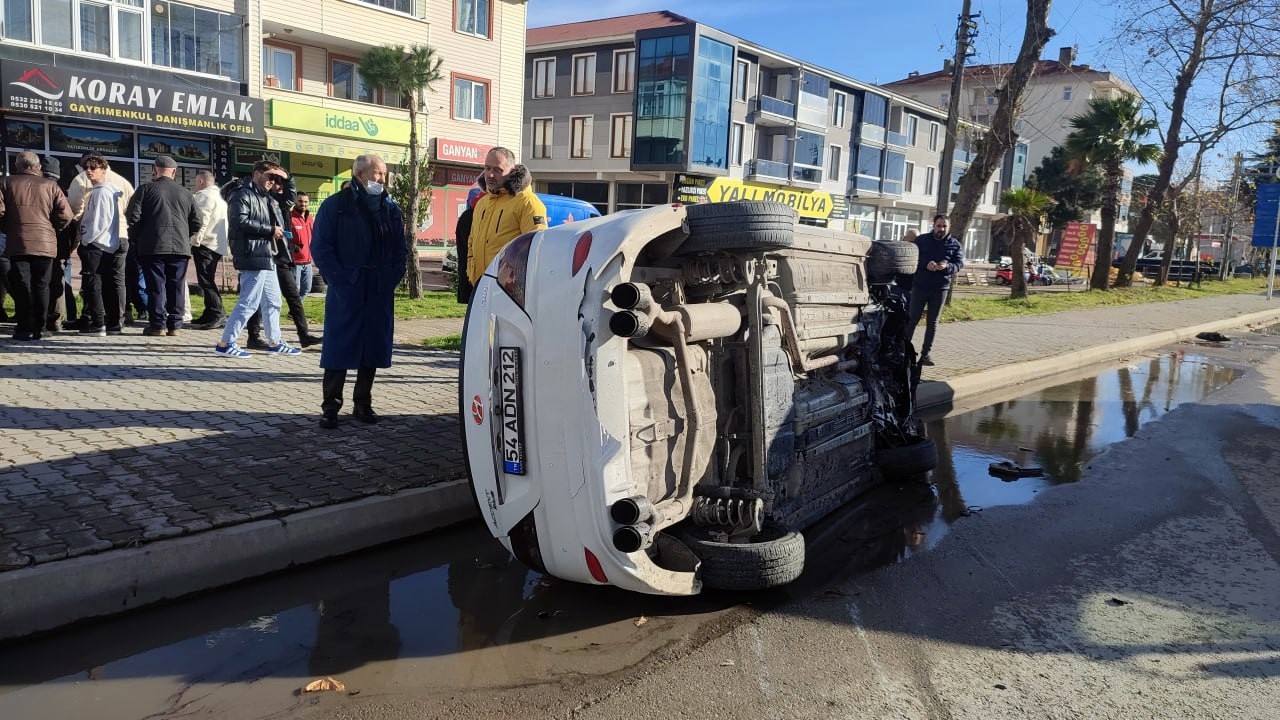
(127, 98)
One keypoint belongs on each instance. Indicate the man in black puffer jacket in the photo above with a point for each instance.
(256, 229)
(162, 218)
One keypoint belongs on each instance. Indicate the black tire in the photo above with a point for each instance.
(1000, 280)
(886, 260)
(917, 458)
(774, 557)
(743, 225)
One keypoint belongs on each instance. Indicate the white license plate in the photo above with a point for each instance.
(511, 393)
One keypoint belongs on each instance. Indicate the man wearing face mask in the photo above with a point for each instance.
(358, 242)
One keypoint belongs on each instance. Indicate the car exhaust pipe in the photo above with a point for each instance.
(629, 323)
(632, 510)
(632, 296)
(631, 538)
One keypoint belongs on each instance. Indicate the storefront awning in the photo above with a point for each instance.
(296, 142)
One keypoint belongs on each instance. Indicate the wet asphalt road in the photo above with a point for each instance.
(1139, 577)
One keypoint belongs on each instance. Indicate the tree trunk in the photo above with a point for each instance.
(413, 268)
(1000, 137)
(1017, 275)
(1107, 233)
(1172, 144)
(1170, 244)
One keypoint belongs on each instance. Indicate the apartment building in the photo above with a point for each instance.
(651, 108)
(220, 84)
(1058, 91)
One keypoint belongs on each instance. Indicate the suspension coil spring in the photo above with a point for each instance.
(734, 513)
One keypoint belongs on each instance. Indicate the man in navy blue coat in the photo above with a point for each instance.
(358, 243)
(941, 257)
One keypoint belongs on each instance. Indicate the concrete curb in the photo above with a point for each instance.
(944, 393)
(55, 594)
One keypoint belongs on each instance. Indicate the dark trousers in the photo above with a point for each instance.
(29, 285)
(207, 276)
(289, 289)
(4, 285)
(136, 297)
(361, 397)
(62, 299)
(165, 275)
(102, 284)
(920, 300)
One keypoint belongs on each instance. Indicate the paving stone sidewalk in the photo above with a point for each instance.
(120, 441)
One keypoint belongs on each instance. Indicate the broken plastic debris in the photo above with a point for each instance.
(641, 621)
(325, 685)
(727, 663)
(1007, 470)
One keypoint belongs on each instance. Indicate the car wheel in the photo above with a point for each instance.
(918, 457)
(888, 259)
(1001, 280)
(744, 225)
(774, 557)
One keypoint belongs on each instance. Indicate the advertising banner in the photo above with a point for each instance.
(342, 123)
(1078, 244)
(127, 97)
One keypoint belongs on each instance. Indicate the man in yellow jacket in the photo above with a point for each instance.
(508, 210)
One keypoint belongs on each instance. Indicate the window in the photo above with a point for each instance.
(929, 178)
(55, 23)
(280, 67)
(624, 71)
(868, 168)
(191, 38)
(541, 142)
(995, 192)
(807, 161)
(741, 75)
(18, 24)
(544, 78)
(663, 75)
(472, 17)
(946, 100)
(639, 195)
(837, 109)
(910, 179)
(102, 27)
(875, 110)
(712, 86)
(736, 140)
(833, 162)
(404, 6)
(1066, 93)
(895, 171)
(580, 136)
(345, 81)
(933, 136)
(470, 99)
(584, 74)
(620, 135)
(913, 129)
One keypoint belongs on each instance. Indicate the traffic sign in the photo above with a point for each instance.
(1264, 222)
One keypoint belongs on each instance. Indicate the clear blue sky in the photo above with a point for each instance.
(874, 41)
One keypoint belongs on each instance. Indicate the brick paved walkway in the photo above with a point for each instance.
(115, 442)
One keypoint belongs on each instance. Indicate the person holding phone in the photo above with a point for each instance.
(285, 195)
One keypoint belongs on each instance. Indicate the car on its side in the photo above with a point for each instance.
(665, 399)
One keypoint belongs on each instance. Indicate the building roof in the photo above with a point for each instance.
(1044, 68)
(607, 27)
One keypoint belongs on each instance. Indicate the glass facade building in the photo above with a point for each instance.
(712, 86)
(663, 74)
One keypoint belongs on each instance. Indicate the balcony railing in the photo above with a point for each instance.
(767, 169)
(777, 107)
(897, 138)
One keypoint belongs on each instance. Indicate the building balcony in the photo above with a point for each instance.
(767, 171)
(897, 138)
(772, 111)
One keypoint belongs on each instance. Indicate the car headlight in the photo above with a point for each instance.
(513, 267)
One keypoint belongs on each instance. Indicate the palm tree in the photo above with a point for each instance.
(1026, 207)
(1110, 135)
(409, 73)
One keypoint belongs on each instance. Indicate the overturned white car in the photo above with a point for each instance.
(662, 399)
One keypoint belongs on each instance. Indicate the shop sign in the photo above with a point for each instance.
(334, 150)
(839, 208)
(222, 154)
(313, 165)
(808, 203)
(125, 98)
(246, 157)
(691, 189)
(443, 176)
(183, 150)
(113, 143)
(342, 123)
(1076, 251)
(460, 152)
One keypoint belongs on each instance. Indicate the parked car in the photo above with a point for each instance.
(664, 399)
(560, 210)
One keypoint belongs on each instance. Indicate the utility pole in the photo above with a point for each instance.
(1231, 216)
(966, 31)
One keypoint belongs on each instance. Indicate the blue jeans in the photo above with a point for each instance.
(257, 287)
(302, 274)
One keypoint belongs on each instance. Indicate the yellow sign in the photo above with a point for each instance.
(331, 121)
(311, 145)
(809, 203)
(313, 165)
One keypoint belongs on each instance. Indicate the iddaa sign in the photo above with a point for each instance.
(331, 121)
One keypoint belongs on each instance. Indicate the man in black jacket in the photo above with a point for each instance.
(285, 196)
(941, 257)
(256, 229)
(162, 217)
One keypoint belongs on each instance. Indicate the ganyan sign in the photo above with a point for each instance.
(1076, 250)
(457, 151)
(127, 97)
(809, 203)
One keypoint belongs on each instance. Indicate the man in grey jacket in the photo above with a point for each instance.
(102, 251)
(162, 218)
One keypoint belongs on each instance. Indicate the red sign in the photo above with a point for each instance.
(1076, 251)
(460, 152)
(442, 176)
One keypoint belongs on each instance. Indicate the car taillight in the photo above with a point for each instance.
(513, 267)
(581, 251)
(593, 566)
